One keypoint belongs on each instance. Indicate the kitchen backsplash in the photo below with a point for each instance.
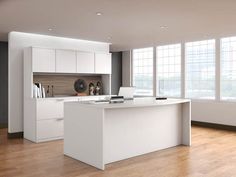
(64, 85)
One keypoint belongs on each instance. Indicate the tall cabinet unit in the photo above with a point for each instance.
(44, 117)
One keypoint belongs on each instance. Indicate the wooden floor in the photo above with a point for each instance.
(213, 154)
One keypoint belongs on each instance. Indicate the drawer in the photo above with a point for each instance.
(49, 129)
(50, 109)
(92, 98)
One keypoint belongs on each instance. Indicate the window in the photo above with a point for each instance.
(200, 69)
(228, 68)
(169, 70)
(143, 71)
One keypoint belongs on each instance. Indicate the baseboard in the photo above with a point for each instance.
(213, 125)
(3, 125)
(15, 135)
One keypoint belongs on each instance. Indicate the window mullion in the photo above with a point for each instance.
(217, 70)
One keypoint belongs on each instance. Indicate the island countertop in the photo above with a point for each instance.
(136, 102)
(102, 133)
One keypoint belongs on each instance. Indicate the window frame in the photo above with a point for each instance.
(153, 72)
(220, 72)
(215, 73)
(181, 67)
(218, 69)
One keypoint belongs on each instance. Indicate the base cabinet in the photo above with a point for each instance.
(56, 109)
(50, 129)
(44, 118)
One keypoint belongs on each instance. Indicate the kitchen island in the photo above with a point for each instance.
(98, 134)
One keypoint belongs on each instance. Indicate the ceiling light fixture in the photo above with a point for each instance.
(99, 13)
(49, 29)
(163, 27)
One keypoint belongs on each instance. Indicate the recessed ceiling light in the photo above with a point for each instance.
(49, 29)
(163, 27)
(99, 13)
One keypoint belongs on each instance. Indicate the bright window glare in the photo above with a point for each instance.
(200, 69)
(169, 70)
(228, 68)
(143, 71)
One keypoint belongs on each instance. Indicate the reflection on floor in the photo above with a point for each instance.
(213, 153)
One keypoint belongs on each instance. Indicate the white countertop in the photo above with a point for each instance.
(137, 102)
(139, 126)
(73, 97)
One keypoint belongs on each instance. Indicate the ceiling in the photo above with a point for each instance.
(126, 24)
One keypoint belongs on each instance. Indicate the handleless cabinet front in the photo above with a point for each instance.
(65, 61)
(48, 129)
(103, 63)
(43, 60)
(85, 62)
(50, 109)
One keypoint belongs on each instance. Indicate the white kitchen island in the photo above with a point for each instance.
(98, 134)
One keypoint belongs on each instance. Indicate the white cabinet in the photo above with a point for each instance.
(103, 63)
(68, 61)
(49, 119)
(85, 62)
(44, 117)
(50, 109)
(65, 61)
(50, 129)
(43, 60)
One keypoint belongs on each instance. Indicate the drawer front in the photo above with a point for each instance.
(49, 129)
(50, 109)
(92, 98)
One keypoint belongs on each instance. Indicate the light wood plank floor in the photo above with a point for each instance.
(213, 154)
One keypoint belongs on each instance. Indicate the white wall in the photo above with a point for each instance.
(214, 112)
(219, 112)
(17, 42)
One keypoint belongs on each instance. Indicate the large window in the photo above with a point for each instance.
(228, 68)
(143, 71)
(169, 70)
(200, 69)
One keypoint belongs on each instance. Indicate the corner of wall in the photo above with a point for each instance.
(126, 68)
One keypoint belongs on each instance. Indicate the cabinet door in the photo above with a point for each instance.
(65, 61)
(50, 109)
(50, 129)
(43, 60)
(103, 63)
(85, 62)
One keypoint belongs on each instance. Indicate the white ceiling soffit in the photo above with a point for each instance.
(126, 24)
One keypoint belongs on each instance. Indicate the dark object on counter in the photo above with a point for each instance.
(48, 91)
(161, 98)
(91, 89)
(52, 91)
(117, 99)
(80, 86)
(98, 89)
